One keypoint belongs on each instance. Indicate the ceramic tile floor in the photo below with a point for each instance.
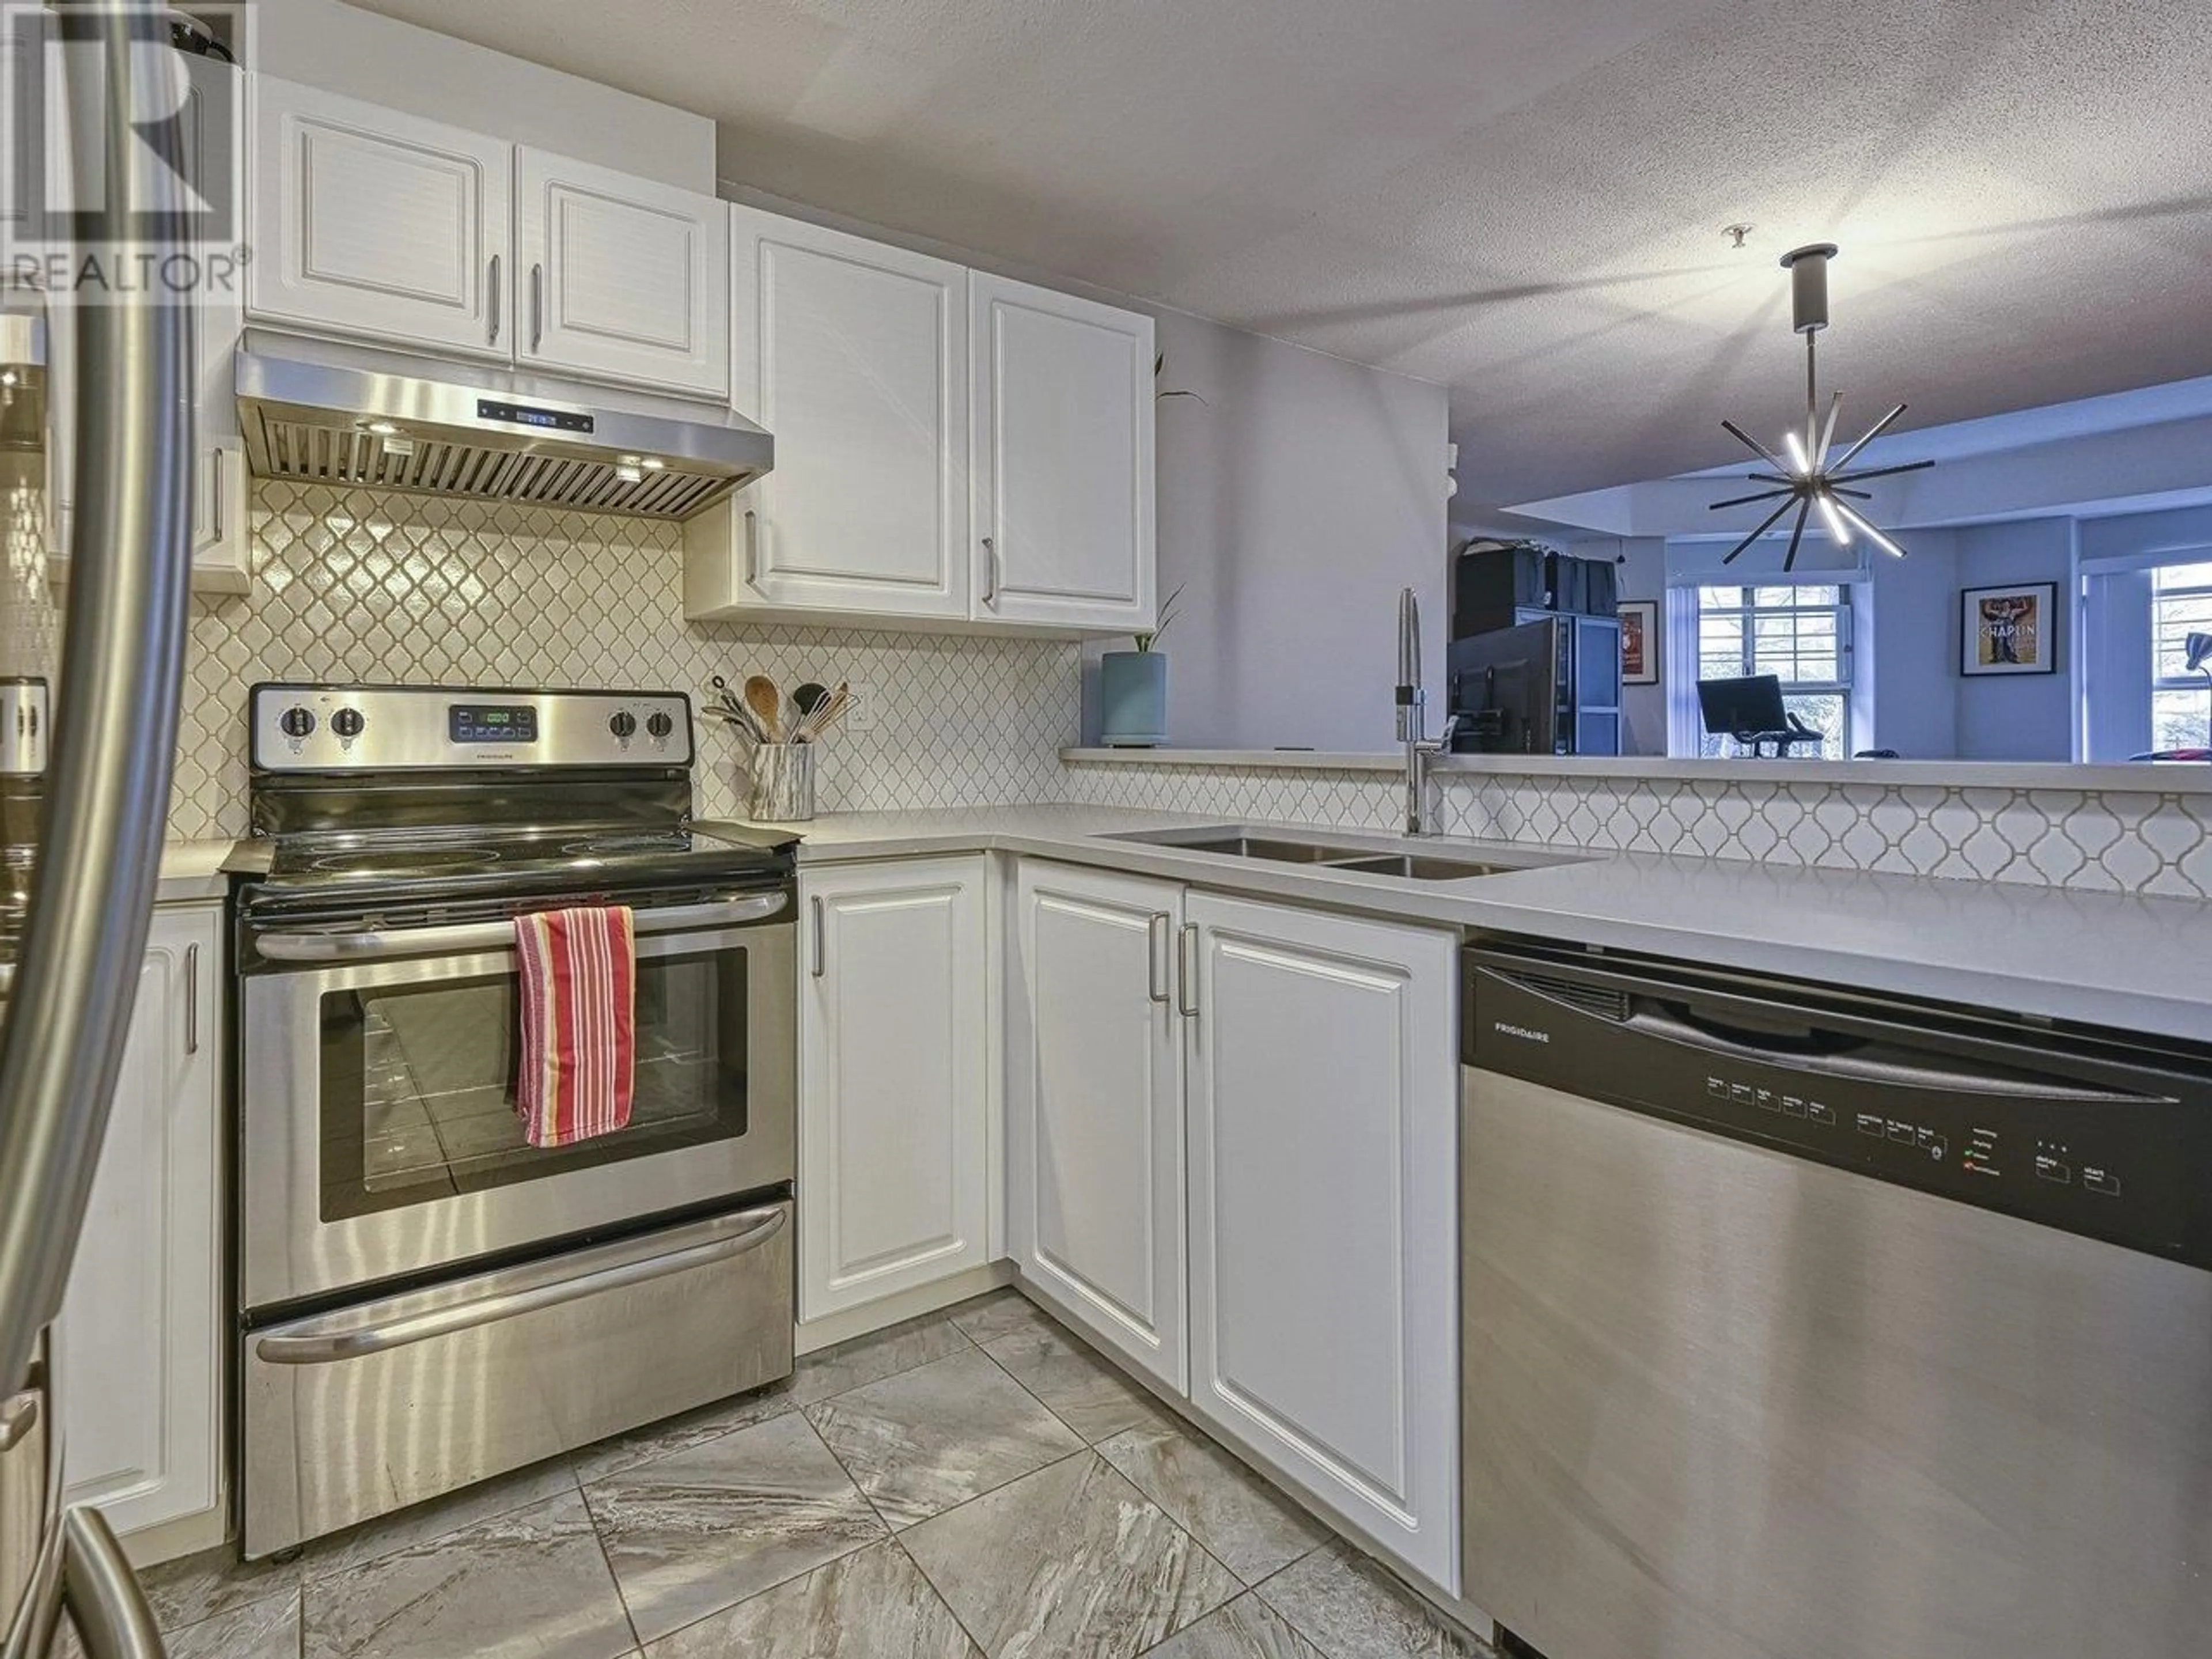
(976, 1481)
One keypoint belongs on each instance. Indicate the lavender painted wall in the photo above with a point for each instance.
(1295, 501)
(2024, 717)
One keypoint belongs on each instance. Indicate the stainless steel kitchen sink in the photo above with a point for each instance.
(1282, 852)
(1363, 860)
(1421, 868)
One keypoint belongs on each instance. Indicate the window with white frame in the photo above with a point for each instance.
(2180, 701)
(1800, 634)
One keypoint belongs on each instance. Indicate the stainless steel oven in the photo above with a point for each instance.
(378, 1134)
(426, 1299)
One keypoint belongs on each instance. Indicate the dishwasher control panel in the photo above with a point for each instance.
(2126, 1160)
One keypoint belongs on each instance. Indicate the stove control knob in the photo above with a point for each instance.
(348, 722)
(660, 725)
(296, 721)
(623, 723)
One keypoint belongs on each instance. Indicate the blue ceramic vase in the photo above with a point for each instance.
(1133, 699)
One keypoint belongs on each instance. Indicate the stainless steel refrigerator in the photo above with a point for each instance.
(89, 850)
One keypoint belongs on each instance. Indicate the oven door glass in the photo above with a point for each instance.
(416, 1081)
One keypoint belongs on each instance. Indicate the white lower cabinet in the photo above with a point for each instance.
(140, 1336)
(894, 1121)
(1323, 1210)
(1094, 1108)
(1232, 1161)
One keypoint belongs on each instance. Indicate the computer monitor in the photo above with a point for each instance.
(1751, 710)
(1735, 708)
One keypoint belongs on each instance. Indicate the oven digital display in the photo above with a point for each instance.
(491, 722)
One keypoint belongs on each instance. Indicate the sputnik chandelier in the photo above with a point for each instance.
(1808, 479)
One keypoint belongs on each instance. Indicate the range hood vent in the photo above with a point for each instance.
(322, 413)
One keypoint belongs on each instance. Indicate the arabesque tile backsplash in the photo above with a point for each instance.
(358, 586)
(351, 585)
(2147, 841)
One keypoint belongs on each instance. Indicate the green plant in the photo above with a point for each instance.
(1145, 642)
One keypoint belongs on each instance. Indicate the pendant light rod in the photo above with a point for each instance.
(1737, 551)
(1828, 432)
(1759, 448)
(1746, 501)
(1804, 510)
(1872, 433)
(1881, 472)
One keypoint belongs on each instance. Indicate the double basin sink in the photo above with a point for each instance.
(1365, 860)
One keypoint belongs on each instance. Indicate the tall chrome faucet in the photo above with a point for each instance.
(1413, 719)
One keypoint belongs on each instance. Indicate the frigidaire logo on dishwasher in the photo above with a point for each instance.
(1522, 1032)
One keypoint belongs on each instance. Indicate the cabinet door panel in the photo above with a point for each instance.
(141, 1323)
(621, 278)
(374, 222)
(221, 559)
(1062, 453)
(1095, 1107)
(855, 355)
(893, 1189)
(1322, 1217)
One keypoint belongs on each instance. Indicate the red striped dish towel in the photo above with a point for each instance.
(578, 979)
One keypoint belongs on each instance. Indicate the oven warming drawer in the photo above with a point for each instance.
(355, 1414)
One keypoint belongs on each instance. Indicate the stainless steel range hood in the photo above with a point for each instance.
(327, 413)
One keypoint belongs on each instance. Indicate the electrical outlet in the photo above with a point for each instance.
(860, 712)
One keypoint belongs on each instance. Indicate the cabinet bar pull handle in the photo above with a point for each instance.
(820, 948)
(191, 999)
(752, 548)
(1156, 944)
(214, 484)
(537, 305)
(493, 285)
(1187, 974)
(990, 573)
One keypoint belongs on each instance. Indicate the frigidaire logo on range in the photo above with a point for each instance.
(1522, 1032)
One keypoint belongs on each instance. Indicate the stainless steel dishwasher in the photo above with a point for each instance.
(1805, 1325)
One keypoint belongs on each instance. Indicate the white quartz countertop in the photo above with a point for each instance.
(2143, 964)
(191, 872)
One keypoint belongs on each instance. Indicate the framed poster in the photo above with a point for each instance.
(1640, 642)
(2009, 630)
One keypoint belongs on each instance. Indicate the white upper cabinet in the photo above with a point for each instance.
(619, 277)
(894, 1111)
(953, 450)
(370, 222)
(1061, 457)
(1323, 1106)
(222, 546)
(1095, 1108)
(854, 354)
(143, 1322)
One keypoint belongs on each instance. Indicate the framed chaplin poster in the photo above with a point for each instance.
(2009, 630)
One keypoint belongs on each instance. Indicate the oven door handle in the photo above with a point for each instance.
(325, 1347)
(369, 945)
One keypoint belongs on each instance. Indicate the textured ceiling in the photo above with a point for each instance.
(1521, 199)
